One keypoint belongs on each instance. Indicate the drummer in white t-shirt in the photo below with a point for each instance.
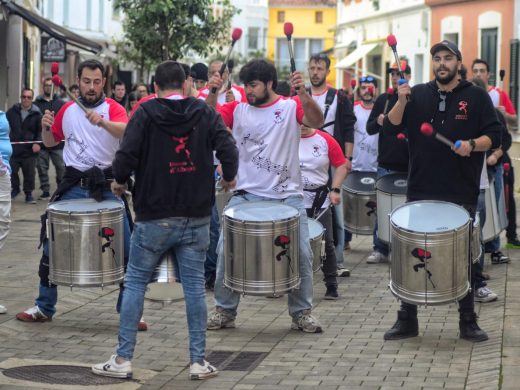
(267, 132)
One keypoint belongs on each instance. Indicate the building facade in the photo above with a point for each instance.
(253, 19)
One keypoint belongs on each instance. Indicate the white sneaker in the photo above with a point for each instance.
(202, 371)
(484, 294)
(112, 369)
(3, 309)
(342, 272)
(376, 257)
(306, 323)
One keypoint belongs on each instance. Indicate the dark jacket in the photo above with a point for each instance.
(392, 152)
(436, 172)
(55, 105)
(169, 145)
(28, 130)
(344, 121)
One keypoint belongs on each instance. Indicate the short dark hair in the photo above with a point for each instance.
(116, 83)
(47, 79)
(480, 61)
(463, 72)
(186, 68)
(259, 69)
(283, 89)
(27, 89)
(132, 97)
(169, 75)
(73, 86)
(321, 57)
(91, 64)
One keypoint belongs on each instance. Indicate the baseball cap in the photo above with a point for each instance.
(199, 71)
(404, 67)
(446, 45)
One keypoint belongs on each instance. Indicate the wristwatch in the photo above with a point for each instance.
(336, 190)
(349, 158)
(472, 143)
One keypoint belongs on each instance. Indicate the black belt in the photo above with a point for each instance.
(84, 183)
(240, 192)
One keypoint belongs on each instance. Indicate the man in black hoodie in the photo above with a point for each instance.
(459, 111)
(169, 144)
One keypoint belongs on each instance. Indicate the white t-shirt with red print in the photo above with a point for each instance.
(364, 156)
(267, 138)
(331, 114)
(86, 145)
(317, 151)
(500, 98)
(238, 92)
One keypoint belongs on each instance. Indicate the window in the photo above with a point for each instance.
(452, 37)
(318, 17)
(302, 47)
(281, 16)
(488, 44)
(252, 38)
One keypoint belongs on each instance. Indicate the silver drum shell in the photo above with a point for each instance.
(448, 265)
(250, 254)
(76, 258)
(358, 218)
(317, 243)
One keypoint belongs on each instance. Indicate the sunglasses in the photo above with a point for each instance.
(26, 97)
(442, 102)
(366, 79)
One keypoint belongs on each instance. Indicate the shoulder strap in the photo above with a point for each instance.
(331, 93)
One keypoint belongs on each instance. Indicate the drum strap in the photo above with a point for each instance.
(319, 198)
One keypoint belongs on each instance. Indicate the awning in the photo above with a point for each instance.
(52, 28)
(353, 57)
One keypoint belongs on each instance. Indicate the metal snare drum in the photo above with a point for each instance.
(391, 192)
(316, 232)
(359, 202)
(476, 247)
(165, 284)
(430, 252)
(261, 248)
(496, 217)
(86, 242)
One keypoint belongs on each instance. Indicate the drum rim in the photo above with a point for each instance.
(225, 216)
(309, 219)
(388, 176)
(51, 209)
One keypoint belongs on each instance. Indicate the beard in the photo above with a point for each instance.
(91, 98)
(317, 83)
(258, 101)
(446, 79)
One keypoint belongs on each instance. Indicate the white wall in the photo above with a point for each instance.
(254, 13)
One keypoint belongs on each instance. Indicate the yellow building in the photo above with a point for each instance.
(314, 25)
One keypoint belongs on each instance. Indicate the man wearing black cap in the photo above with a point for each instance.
(199, 73)
(459, 111)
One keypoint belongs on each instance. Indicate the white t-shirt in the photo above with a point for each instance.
(331, 114)
(364, 156)
(238, 92)
(267, 138)
(317, 151)
(87, 145)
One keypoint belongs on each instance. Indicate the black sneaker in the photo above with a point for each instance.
(45, 195)
(29, 199)
(406, 326)
(513, 243)
(332, 293)
(14, 193)
(469, 329)
(499, 258)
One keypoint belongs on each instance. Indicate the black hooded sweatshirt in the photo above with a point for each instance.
(169, 145)
(436, 172)
(392, 153)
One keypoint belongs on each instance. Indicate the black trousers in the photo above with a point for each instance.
(28, 165)
(329, 263)
(509, 181)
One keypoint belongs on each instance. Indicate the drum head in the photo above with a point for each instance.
(315, 228)
(363, 182)
(261, 211)
(394, 183)
(429, 216)
(84, 206)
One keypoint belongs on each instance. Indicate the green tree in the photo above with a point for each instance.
(157, 30)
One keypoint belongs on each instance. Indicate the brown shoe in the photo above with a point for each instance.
(34, 314)
(143, 326)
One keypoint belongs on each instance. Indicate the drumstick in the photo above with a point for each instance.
(57, 81)
(235, 36)
(55, 68)
(288, 31)
(427, 129)
(323, 212)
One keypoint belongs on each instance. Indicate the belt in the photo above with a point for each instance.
(84, 183)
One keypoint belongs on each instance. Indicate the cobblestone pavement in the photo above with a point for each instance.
(350, 354)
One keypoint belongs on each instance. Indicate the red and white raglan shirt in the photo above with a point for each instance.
(238, 92)
(86, 145)
(364, 156)
(267, 138)
(331, 114)
(500, 98)
(317, 151)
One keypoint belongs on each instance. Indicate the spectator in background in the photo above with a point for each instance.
(74, 89)
(131, 101)
(24, 121)
(119, 92)
(200, 75)
(141, 90)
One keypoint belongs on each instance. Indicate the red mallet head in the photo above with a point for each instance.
(427, 129)
(288, 29)
(370, 90)
(353, 83)
(507, 167)
(401, 137)
(390, 91)
(57, 81)
(391, 40)
(236, 34)
(55, 68)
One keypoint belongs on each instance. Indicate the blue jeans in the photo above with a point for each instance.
(380, 246)
(298, 300)
(48, 294)
(210, 265)
(188, 238)
(494, 245)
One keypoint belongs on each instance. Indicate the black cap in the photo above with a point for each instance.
(404, 67)
(446, 45)
(199, 71)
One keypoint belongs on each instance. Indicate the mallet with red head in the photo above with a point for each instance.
(235, 36)
(353, 83)
(288, 30)
(55, 69)
(57, 81)
(428, 130)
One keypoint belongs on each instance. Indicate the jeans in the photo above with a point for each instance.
(48, 293)
(494, 245)
(298, 300)
(329, 266)
(56, 155)
(380, 246)
(189, 240)
(210, 266)
(28, 165)
(5, 207)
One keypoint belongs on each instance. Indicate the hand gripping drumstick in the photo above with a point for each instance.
(288, 31)
(235, 36)
(57, 81)
(428, 130)
(392, 42)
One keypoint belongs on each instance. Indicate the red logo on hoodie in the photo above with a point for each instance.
(181, 147)
(463, 109)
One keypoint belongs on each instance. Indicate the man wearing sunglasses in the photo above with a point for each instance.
(24, 120)
(339, 122)
(459, 111)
